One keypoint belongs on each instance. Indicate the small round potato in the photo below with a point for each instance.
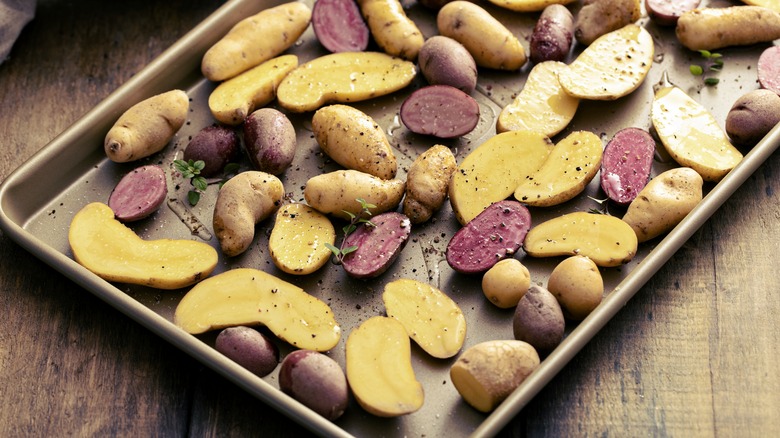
(315, 380)
(270, 140)
(248, 348)
(538, 319)
(216, 146)
(444, 61)
(577, 285)
(752, 116)
(506, 282)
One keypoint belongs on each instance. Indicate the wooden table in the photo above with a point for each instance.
(694, 353)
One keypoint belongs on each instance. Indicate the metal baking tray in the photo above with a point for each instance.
(39, 199)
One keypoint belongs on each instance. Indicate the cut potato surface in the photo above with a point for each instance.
(114, 252)
(571, 165)
(246, 296)
(606, 240)
(233, 100)
(492, 171)
(343, 77)
(379, 368)
(298, 238)
(612, 66)
(691, 134)
(433, 320)
(542, 105)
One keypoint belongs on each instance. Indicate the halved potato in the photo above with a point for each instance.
(691, 134)
(605, 239)
(233, 100)
(542, 105)
(612, 66)
(343, 77)
(492, 171)
(571, 165)
(114, 252)
(245, 296)
(298, 238)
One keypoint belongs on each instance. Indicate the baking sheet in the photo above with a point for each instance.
(38, 201)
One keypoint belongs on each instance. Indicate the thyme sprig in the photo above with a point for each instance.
(713, 63)
(191, 170)
(354, 220)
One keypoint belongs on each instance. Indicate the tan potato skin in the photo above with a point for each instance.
(490, 43)
(336, 192)
(664, 202)
(243, 201)
(392, 30)
(427, 183)
(715, 28)
(255, 39)
(599, 17)
(147, 127)
(354, 140)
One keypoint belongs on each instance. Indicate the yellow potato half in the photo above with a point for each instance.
(343, 77)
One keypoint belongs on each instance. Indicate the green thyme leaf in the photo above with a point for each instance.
(696, 70)
(193, 197)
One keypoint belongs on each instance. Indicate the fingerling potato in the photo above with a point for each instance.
(715, 28)
(255, 39)
(147, 127)
(392, 30)
(354, 140)
(490, 42)
(427, 182)
(599, 17)
(336, 193)
(298, 239)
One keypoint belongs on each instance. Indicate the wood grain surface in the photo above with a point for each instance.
(695, 353)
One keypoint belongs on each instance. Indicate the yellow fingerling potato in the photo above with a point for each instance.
(542, 105)
(771, 4)
(611, 67)
(427, 182)
(379, 368)
(337, 192)
(233, 100)
(664, 202)
(715, 28)
(432, 319)
(605, 239)
(571, 165)
(691, 134)
(528, 5)
(343, 77)
(297, 242)
(490, 42)
(114, 252)
(493, 170)
(392, 30)
(242, 202)
(354, 140)
(247, 297)
(147, 127)
(255, 39)
(486, 373)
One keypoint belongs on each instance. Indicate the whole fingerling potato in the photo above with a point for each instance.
(147, 127)
(427, 183)
(553, 34)
(752, 116)
(599, 17)
(392, 30)
(715, 28)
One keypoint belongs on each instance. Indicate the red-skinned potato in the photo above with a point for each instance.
(667, 12)
(216, 146)
(338, 25)
(139, 193)
(444, 61)
(553, 34)
(769, 69)
(378, 246)
(495, 234)
(315, 380)
(752, 116)
(626, 164)
(248, 348)
(270, 140)
(442, 111)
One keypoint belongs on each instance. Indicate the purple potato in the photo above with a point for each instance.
(445, 61)
(216, 146)
(270, 140)
(249, 348)
(552, 36)
(378, 246)
(139, 193)
(538, 319)
(315, 380)
(339, 26)
(495, 234)
(442, 111)
(626, 164)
